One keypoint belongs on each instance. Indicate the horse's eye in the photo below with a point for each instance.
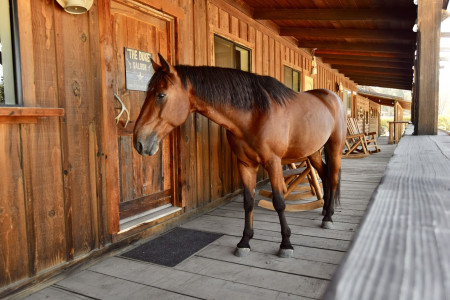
(161, 96)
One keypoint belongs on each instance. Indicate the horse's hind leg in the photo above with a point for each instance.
(276, 180)
(248, 176)
(333, 166)
(318, 164)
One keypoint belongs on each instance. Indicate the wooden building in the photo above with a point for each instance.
(73, 188)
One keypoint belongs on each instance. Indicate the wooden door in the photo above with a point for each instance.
(309, 83)
(146, 183)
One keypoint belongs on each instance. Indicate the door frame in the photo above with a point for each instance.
(110, 153)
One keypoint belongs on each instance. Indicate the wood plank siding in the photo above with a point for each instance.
(61, 183)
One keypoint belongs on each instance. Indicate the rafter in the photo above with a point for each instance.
(352, 52)
(345, 33)
(371, 70)
(380, 14)
(370, 78)
(409, 60)
(386, 84)
(368, 63)
(362, 47)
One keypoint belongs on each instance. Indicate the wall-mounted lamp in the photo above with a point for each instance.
(314, 63)
(415, 27)
(75, 6)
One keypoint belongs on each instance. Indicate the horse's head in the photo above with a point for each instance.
(166, 106)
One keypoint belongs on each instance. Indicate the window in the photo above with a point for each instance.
(292, 79)
(10, 86)
(231, 55)
(348, 102)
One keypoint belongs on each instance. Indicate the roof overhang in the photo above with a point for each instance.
(386, 100)
(371, 43)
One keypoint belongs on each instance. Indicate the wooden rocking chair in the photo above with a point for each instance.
(355, 143)
(301, 183)
(370, 137)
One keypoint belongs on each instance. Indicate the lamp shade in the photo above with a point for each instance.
(76, 6)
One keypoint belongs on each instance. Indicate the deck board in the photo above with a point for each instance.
(402, 249)
(215, 273)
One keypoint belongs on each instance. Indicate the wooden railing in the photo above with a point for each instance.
(396, 135)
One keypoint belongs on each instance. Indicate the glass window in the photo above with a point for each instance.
(10, 91)
(292, 79)
(230, 55)
(348, 102)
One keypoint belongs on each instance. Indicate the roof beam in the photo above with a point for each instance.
(387, 84)
(384, 80)
(371, 70)
(345, 33)
(355, 53)
(369, 58)
(380, 76)
(368, 63)
(365, 47)
(364, 80)
(355, 14)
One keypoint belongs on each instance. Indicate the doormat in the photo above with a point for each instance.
(173, 247)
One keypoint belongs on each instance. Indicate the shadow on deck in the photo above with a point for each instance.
(214, 272)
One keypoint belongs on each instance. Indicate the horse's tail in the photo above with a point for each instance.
(327, 185)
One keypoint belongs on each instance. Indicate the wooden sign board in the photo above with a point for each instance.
(138, 69)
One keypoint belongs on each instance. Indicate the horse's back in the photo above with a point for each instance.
(314, 116)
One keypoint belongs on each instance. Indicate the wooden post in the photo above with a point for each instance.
(429, 23)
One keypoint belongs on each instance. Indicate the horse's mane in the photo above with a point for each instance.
(230, 87)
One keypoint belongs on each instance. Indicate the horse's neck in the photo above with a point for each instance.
(225, 117)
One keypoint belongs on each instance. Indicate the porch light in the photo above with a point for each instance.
(75, 7)
(415, 27)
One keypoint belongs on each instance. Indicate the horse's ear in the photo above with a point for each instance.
(165, 65)
(156, 67)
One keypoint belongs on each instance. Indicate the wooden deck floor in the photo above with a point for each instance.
(215, 273)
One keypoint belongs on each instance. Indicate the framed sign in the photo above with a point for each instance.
(138, 69)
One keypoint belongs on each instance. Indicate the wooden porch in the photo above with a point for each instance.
(214, 272)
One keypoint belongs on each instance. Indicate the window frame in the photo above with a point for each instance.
(235, 45)
(300, 73)
(16, 59)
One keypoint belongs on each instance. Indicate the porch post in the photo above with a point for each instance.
(429, 23)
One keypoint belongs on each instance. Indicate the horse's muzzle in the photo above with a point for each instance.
(147, 146)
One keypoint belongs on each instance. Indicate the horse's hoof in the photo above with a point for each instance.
(327, 225)
(242, 252)
(285, 253)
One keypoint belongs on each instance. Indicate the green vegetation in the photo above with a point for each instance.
(384, 125)
(444, 123)
(2, 93)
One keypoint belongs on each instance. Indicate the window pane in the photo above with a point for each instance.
(223, 51)
(288, 77)
(348, 101)
(7, 86)
(295, 81)
(242, 59)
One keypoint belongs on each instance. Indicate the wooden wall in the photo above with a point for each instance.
(53, 205)
(368, 114)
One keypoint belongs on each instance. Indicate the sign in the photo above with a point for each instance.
(138, 69)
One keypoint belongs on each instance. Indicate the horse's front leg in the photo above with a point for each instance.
(275, 171)
(248, 175)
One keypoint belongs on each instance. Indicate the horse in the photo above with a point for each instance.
(266, 123)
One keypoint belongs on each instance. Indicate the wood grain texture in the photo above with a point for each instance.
(14, 263)
(401, 247)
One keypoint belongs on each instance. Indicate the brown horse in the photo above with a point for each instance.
(266, 122)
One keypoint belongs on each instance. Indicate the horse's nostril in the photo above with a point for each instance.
(139, 147)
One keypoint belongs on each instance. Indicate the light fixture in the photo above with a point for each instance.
(415, 27)
(75, 7)
(314, 63)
